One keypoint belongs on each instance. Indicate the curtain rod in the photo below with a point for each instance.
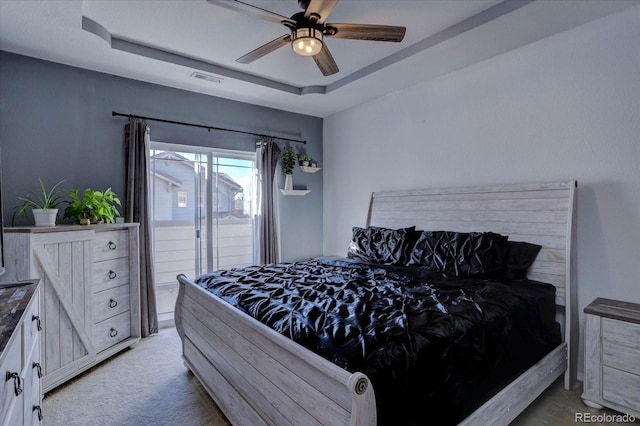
(209, 128)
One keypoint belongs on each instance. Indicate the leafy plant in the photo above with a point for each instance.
(48, 199)
(97, 206)
(289, 160)
(304, 157)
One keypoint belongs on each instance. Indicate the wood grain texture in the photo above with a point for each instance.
(539, 214)
(21, 351)
(515, 397)
(612, 356)
(64, 258)
(542, 214)
(616, 309)
(281, 381)
(223, 346)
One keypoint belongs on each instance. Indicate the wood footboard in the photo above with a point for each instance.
(257, 376)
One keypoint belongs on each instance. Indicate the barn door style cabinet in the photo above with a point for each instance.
(90, 292)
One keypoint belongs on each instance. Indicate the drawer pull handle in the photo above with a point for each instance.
(39, 369)
(112, 303)
(113, 332)
(36, 318)
(39, 410)
(112, 275)
(17, 382)
(111, 245)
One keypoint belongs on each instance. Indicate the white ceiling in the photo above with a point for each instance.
(165, 41)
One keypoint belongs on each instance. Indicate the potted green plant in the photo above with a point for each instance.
(305, 159)
(44, 208)
(288, 163)
(93, 206)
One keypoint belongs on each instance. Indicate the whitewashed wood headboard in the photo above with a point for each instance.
(542, 214)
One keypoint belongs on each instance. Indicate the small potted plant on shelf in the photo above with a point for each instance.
(288, 163)
(305, 160)
(44, 208)
(93, 207)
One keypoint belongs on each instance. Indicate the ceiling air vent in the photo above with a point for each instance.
(207, 77)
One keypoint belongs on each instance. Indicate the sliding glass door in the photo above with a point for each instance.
(203, 205)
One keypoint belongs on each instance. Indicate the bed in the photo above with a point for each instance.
(258, 376)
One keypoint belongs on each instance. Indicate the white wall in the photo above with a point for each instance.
(566, 107)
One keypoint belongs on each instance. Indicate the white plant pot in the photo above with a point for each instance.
(288, 182)
(45, 217)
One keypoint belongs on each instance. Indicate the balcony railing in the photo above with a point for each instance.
(175, 253)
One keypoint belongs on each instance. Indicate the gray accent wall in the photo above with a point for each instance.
(56, 123)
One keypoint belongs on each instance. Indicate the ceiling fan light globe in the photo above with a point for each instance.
(306, 41)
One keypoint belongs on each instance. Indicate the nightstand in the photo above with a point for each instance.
(612, 356)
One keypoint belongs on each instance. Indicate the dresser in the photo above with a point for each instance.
(90, 293)
(20, 357)
(612, 356)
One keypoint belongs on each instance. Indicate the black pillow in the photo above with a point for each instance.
(461, 254)
(520, 256)
(380, 245)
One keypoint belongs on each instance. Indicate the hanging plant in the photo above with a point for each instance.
(289, 157)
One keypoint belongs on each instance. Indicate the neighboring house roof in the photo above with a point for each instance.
(174, 156)
(166, 176)
(229, 181)
(170, 155)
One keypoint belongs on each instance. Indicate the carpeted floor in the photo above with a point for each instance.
(149, 385)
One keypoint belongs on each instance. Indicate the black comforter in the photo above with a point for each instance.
(434, 348)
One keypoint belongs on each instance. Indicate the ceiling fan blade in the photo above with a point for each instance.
(265, 49)
(321, 9)
(325, 62)
(366, 32)
(240, 6)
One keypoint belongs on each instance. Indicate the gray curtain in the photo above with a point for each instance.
(138, 209)
(267, 244)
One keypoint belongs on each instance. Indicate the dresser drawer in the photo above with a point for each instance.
(620, 387)
(111, 331)
(109, 303)
(110, 273)
(11, 376)
(32, 389)
(110, 245)
(32, 325)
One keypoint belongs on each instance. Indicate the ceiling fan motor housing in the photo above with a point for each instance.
(306, 35)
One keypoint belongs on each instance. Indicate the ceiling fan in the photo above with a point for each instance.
(308, 31)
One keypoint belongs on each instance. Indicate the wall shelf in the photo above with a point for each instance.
(295, 191)
(308, 169)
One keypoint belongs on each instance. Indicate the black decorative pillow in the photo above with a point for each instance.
(460, 254)
(520, 256)
(380, 245)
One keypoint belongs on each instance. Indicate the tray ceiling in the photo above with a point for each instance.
(165, 42)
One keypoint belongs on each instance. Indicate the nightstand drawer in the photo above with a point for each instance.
(110, 273)
(612, 356)
(621, 345)
(110, 245)
(620, 387)
(109, 303)
(111, 331)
